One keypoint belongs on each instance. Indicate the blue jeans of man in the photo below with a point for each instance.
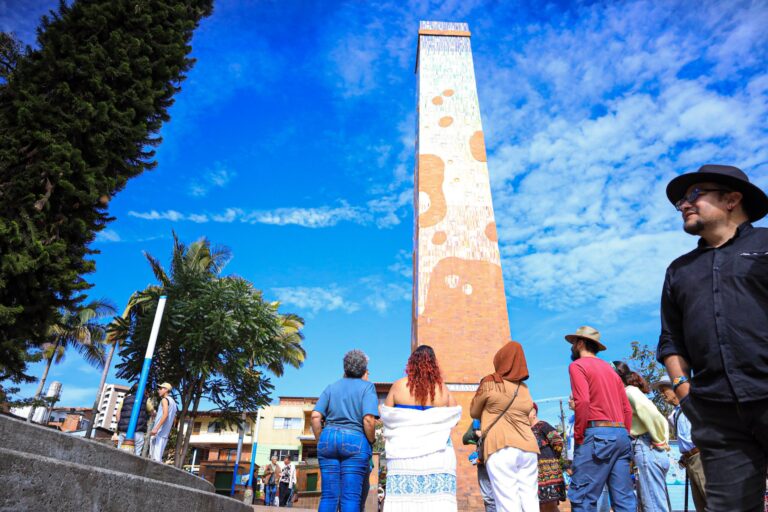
(602, 458)
(344, 457)
(270, 491)
(652, 466)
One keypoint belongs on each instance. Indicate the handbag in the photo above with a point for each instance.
(480, 441)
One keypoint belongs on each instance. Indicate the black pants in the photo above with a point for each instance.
(733, 440)
(285, 494)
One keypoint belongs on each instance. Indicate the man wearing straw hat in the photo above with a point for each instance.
(714, 333)
(166, 413)
(601, 431)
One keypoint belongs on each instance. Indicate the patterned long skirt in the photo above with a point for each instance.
(551, 482)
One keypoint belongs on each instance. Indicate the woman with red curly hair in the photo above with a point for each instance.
(418, 416)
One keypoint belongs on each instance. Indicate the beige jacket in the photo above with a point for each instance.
(514, 428)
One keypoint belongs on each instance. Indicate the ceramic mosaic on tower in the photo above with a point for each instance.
(459, 306)
(459, 303)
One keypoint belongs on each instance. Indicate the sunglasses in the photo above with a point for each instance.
(694, 194)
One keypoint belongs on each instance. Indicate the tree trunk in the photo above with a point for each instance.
(104, 373)
(188, 432)
(42, 383)
(186, 399)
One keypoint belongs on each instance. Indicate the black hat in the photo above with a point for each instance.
(755, 201)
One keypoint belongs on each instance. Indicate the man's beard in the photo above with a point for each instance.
(575, 354)
(695, 228)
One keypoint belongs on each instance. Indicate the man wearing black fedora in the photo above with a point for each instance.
(714, 331)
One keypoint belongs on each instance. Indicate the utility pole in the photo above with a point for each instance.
(241, 434)
(562, 417)
(251, 488)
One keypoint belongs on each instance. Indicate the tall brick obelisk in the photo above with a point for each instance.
(459, 306)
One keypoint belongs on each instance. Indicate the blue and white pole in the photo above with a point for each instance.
(128, 444)
(254, 443)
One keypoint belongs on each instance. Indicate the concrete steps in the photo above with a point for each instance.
(45, 470)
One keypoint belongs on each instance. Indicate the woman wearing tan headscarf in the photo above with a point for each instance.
(510, 451)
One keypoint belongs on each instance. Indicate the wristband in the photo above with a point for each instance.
(678, 381)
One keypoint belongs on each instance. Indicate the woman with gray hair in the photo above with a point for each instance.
(343, 422)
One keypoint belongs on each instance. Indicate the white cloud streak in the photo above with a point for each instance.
(217, 177)
(316, 299)
(108, 235)
(383, 212)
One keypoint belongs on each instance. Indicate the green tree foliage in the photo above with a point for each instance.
(79, 117)
(643, 361)
(217, 339)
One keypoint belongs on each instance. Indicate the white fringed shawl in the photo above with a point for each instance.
(412, 433)
(421, 463)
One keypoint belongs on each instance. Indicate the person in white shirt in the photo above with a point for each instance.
(690, 458)
(287, 482)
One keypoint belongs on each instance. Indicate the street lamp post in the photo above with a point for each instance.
(128, 443)
(241, 434)
(248, 498)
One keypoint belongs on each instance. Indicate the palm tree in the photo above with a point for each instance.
(291, 351)
(80, 329)
(117, 332)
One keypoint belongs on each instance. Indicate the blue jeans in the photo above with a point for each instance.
(270, 491)
(603, 458)
(604, 501)
(486, 489)
(652, 466)
(344, 457)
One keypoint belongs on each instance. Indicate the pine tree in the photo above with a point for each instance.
(79, 117)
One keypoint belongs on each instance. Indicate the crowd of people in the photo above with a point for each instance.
(713, 343)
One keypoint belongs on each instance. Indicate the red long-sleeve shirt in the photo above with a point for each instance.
(598, 394)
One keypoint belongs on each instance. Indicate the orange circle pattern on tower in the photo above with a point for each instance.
(439, 238)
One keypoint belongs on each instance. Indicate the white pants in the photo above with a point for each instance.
(157, 447)
(138, 442)
(515, 480)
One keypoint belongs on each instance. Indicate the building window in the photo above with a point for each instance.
(281, 454)
(288, 423)
(196, 427)
(214, 427)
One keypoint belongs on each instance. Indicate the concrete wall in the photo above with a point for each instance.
(44, 469)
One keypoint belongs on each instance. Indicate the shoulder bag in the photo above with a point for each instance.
(480, 453)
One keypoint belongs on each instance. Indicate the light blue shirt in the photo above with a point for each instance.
(683, 427)
(165, 428)
(345, 402)
(570, 440)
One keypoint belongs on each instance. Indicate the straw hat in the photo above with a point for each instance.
(586, 332)
(166, 386)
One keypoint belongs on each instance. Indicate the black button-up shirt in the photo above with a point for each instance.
(714, 313)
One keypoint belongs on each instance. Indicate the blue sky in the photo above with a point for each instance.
(292, 143)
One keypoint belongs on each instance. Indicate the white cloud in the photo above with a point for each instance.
(382, 292)
(307, 217)
(108, 235)
(385, 212)
(217, 177)
(588, 121)
(171, 215)
(316, 299)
